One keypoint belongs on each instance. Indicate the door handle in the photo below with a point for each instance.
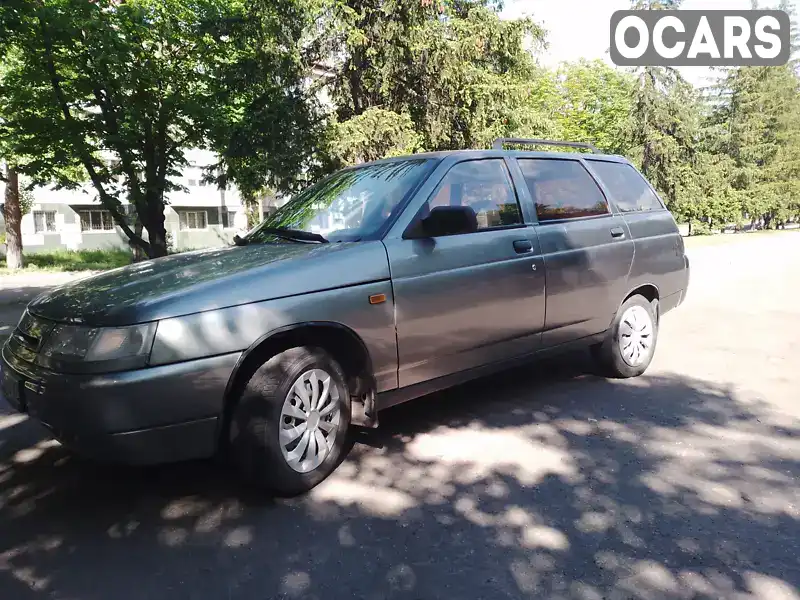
(617, 232)
(523, 246)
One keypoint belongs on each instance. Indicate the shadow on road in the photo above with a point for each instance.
(544, 482)
(21, 292)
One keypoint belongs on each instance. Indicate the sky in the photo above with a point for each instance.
(580, 28)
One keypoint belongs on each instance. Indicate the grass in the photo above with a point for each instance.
(73, 260)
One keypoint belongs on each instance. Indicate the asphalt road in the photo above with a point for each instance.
(544, 482)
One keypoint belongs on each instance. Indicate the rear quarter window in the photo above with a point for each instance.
(629, 190)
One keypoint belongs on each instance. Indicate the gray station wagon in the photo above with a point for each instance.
(382, 283)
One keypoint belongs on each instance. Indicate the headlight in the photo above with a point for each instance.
(97, 348)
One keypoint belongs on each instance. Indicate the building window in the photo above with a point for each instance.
(228, 218)
(44, 221)
(96, 220)
(193, 219)
(192, 182)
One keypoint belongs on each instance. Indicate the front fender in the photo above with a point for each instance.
(238, 328)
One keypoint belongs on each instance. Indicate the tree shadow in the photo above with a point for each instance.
(541, 482)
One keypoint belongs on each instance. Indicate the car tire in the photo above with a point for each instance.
(630, 341)
(288, 431)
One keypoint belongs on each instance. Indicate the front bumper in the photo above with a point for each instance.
(153, 415)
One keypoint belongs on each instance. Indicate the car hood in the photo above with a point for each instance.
(208, 279)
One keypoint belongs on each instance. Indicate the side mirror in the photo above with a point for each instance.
(445, 220)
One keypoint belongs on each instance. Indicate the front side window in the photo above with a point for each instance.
(96, 220)
(44, 221)
(629, 191)
(484, 186)
(193, 219)
(350, 205)
(562, 189)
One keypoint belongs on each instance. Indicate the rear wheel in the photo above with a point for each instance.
(631, 340)
(288, 430)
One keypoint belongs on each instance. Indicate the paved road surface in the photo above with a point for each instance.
(17, 290)
(545, 482)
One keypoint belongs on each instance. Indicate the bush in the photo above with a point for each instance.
(700, 228)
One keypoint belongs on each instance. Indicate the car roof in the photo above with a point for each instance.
(473, 154)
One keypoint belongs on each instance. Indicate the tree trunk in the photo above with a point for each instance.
(153, 221)
(138, 252)
(157, 236)
(13, 217)
(690, 227)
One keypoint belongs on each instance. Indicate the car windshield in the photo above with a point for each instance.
(350, 205)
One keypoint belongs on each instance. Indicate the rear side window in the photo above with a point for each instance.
(483, 185)
(562, 189)
(629, 190)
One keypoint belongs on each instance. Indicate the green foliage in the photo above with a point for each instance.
(596, 104)
(266, 122)
(663, 129)
(700, 228)
(25, 196)
(462, 74)
(121, 89)
(757, 123)
(374, 134)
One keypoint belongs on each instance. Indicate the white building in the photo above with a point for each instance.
(200, 217)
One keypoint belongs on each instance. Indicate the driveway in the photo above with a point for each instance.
(544, 482)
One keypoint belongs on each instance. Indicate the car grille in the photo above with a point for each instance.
(27, 338)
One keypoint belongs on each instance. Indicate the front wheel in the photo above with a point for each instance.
(288, 430)
(631, 340)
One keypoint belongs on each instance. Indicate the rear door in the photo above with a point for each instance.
(586, 247)
(465, 300)
(659, 251)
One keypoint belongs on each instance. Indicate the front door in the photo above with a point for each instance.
(587, 249)
(468, 299)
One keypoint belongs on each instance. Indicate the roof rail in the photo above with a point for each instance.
(500, 142)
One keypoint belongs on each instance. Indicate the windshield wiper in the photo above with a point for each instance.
(295, 235)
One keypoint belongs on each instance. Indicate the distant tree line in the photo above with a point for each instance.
(114, 92)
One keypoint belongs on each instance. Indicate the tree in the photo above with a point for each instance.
(374, 134)
(756, 119)
(12, 214)
(664, 128)
(269, 124)
(596, 104)
(761, 121)
(12, 209)
(124, 88)
(461, 73)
